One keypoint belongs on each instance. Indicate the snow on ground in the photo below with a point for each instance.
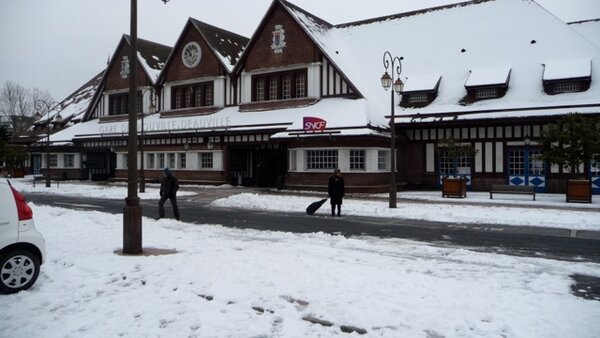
(225, 282)
(449, 211)
(85, 188)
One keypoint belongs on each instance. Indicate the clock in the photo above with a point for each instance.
(191, 54)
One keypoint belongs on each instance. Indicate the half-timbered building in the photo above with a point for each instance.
(303, 96)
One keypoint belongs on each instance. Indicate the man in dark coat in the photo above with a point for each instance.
(336, 191)
(168, 191)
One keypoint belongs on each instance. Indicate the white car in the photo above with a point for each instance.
(22, 247)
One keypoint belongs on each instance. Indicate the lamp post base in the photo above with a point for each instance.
(393, 199)
(132, 226)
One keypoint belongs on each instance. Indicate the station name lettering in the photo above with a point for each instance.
(189, 124)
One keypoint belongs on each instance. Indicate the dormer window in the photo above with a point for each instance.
(567, 87)
(487, 83)
(417, 98)
(563, 87)
(279, 86)
(486, 93)
(567, 76)
(421, 90)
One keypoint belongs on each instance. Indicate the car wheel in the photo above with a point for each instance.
(19, 269)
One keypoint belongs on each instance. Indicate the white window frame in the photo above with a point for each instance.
(322, 159)
(357, 159)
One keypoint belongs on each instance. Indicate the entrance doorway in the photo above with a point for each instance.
(526, 168)
(257, 165)
(101, 164)
(36, 164)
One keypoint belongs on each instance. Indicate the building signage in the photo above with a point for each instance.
(313, 124)
(166, 126)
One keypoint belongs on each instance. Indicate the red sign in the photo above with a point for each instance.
(313, 124)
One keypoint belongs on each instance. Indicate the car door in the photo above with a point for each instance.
(8, 215)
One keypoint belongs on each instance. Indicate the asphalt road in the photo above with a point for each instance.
(561, 244)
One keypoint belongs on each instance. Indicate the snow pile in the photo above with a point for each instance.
(246, 283)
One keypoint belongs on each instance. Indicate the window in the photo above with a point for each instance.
(321, 159)
(357, 160)
(447, 163)
(286, 87)
(382, 159)
(418, 98)
(194, 95)
(125, 158)
(171, 158)
(273, 87)
(69, 161)
(182, 161)
(293, 160)
(206, 160)
(300, 85)
(161, 161)
(567, 87)
(486, 93)
(260, 90)
(279, 86)
(53, 160)
(118, 104)
(151, 161)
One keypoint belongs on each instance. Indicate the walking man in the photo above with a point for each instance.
(168, 191)
(336, 191)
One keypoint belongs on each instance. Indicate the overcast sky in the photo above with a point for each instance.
(58, 45)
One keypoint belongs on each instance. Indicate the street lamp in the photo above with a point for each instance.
(151, 110)
(132, 211)
(39, 106)
(386, 82)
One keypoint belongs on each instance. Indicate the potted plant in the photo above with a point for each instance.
(570, 142)
(455, 184)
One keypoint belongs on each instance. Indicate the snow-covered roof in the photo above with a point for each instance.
(152, 56)
(567, 68)
(227, 46)
(75, 105)
(589, 29)
(479, 42)
(480, 35)
(343, 116)
(422, 82)
(488, 76)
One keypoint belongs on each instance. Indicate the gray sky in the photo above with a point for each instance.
(58, 45)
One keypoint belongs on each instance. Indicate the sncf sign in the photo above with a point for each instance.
(312, 124)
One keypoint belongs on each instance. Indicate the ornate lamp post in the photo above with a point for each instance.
(132, 212)
(386, 82)
(39, 106)
(151, 110)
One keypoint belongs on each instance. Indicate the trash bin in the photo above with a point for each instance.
(279, 182)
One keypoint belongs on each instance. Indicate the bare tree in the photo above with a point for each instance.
(17, 105)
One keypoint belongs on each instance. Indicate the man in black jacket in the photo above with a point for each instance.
(168, 191)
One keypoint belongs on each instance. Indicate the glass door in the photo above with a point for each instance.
(526, 168)
(459, 167)
(37, 164)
